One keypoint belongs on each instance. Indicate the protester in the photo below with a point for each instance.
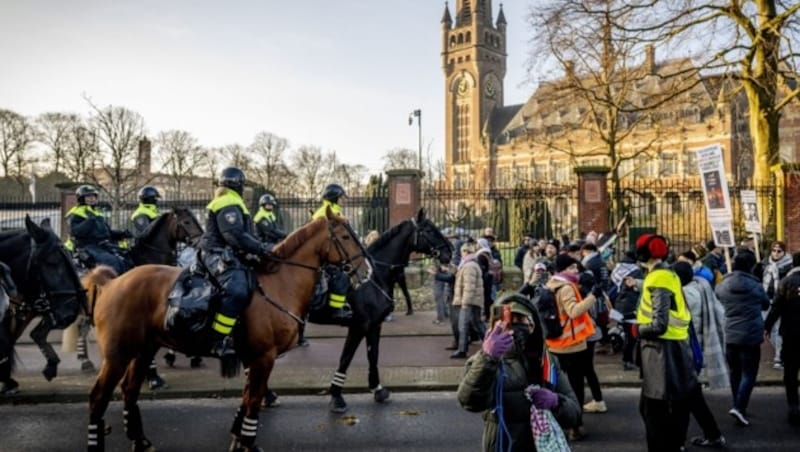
(469, 297)
(519, 256)
(715, 261)
(570, 347)
(668, 377)
(786, 309)
(743, 298)
(775, 267)
(444, 276)
(712, 436)
(531, 258)
(514, 361)
(627, 278)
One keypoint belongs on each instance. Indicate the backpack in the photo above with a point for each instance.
(545, 302)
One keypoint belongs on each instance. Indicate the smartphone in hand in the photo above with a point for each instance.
(507, 315)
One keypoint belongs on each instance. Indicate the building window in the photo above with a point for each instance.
(562, 172)
(646, 166)
(669, 164)
(462, 132)
(541, 172)
(691, 162)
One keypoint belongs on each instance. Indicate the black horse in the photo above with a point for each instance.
(156, 245)
(47, 286)
(372, 302)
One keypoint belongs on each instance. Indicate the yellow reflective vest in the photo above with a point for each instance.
(679, 317)
(320, 213)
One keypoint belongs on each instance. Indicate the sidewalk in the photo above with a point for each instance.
(412, 358)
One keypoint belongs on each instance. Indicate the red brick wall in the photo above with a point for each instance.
(593, 200)
(404, 195)
(791, 215)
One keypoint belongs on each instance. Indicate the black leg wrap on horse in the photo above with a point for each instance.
(249, 431)
(236, 428)
(337, 383)
(132, 419)
(96, 441)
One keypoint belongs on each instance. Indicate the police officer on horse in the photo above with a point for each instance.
(91, 234)
(147, 211)
(227, 239)
(266, 222)
(338, 283)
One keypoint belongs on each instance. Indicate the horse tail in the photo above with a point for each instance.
(93, 281)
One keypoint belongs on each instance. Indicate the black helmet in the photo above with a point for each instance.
(85, 190)
(267, 199)
(148, 194)
(233, 178)
(333, 192)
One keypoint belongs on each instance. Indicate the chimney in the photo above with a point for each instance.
(143, 161)
(650, 59)
(569, 69)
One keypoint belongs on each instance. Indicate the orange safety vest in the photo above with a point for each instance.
(574, 330)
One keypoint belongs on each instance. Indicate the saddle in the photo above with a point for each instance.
(192, 303)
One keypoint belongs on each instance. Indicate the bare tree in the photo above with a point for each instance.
(269, 166)
(608, 105)
(309, 166)
(54, 130)
(82, 153)
(16, 134)
(753, 41)
(118, 132)
(238, 156)
(181, 156)
(351, 177)
(400, 158)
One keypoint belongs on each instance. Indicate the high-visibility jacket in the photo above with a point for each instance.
(679, 314)
(320, 213)
(574, 330)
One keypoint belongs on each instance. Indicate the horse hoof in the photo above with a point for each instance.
(337, 405)
(236, 446)
(50, 371)
(271, 400)
(9, 387)
(382, 395)
(143, 445)
(87, 367)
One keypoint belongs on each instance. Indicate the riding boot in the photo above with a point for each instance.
(222, 348)
(343, 314)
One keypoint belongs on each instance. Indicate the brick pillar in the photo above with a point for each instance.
(404, 194)
(593, 198)
(66, 191)
(787, 195)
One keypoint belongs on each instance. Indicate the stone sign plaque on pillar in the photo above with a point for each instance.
(593, 199)
(404, 194)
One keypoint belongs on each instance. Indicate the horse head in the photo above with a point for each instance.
(184, 226)
(430, 240)
(51, 278)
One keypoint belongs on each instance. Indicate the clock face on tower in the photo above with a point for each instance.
(490, 88)
(463, 86)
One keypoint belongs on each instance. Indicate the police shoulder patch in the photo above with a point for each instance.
(231, 217)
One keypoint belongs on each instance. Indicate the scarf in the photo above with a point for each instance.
(711, 334)
(568, 277)
(772, 272)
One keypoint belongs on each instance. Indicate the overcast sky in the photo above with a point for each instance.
(342, 75)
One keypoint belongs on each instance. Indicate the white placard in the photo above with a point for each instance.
(711, 167)
(723, 234)
(750, 211)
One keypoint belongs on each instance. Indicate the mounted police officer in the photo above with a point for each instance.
(227, 238)
(147, 211)
(89, 232)
(338, 282)
(266, 222)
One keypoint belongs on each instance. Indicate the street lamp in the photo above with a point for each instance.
(418, 114)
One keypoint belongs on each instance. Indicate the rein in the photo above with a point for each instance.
(297, 319)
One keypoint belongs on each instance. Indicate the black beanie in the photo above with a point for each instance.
(563, 261)
(684, 271)
(744, 261)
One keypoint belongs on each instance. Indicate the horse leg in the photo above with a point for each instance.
(39, 336)
(131, 388)
(245, 423)
(380, 393)
(354, 337)
(84, 326)
(111, 372)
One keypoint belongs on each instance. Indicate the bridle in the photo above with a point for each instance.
(41, 302)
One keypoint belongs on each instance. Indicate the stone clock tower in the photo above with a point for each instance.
(474, 64)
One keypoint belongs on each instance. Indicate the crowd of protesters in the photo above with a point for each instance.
(685, 318)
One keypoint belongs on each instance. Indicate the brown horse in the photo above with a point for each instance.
(130, 310)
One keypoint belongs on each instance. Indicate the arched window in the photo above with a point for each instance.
(461, 38)
(469, 37)
(452, 41)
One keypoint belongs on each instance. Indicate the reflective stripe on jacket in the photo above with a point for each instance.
(679, 315)
(574, 330)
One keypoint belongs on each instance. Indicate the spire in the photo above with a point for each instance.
(446, 19)
(501, 18)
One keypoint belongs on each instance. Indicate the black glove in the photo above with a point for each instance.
(266, 248)
(597, 291)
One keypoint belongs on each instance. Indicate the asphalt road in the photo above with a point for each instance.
(421, 421)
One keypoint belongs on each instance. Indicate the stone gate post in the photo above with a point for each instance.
(404, 194)
(593, 199)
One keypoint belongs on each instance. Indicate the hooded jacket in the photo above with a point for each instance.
(743, 298)
(476, 393)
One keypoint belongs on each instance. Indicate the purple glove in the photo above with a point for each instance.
(497, 341)
(541, 398)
